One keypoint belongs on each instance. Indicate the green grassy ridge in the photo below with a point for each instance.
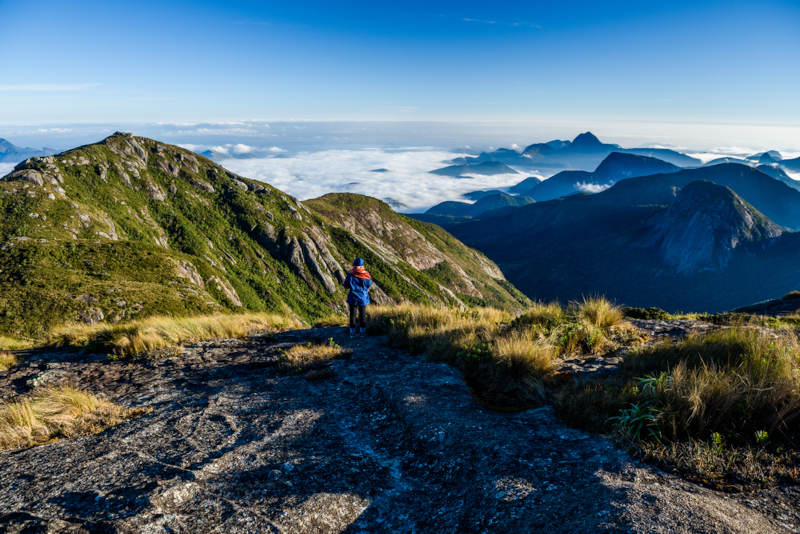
(115, 221)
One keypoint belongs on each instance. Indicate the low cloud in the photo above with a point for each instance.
(586, 187)
(6, 168)
(407, 180)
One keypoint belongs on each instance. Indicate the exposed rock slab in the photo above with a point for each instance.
(388, 443)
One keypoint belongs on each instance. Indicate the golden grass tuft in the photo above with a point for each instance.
(311, 356)
(7, 360)
(334, 319)
(142, 336)
(523, 355)
(57, 412)
(599, 312)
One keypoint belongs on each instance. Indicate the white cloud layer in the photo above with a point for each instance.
(5, 168)
(407, 179)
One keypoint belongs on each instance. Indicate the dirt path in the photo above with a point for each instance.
(389, 443)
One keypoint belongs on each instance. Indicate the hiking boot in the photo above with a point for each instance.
(352, 333)
(362, 332)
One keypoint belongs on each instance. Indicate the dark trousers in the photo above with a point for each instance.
(358, 314)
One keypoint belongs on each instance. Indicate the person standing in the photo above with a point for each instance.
(358, 282)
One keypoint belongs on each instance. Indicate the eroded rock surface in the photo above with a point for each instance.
(386, 443)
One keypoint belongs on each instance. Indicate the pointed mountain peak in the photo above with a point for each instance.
(586, 139)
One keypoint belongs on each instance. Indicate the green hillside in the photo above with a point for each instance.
(131, 227)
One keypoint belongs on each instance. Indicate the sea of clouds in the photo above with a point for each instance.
(406, 182)
(5, 168)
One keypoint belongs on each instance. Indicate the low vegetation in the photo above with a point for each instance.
(154, 333)
(53, 413)
(308, 356)
(505, 359)
(9, 343)
(721, 406)
(7, 360)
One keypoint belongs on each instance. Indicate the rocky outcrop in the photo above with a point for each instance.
(705, 224)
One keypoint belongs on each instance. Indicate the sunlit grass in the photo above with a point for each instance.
(10, 343)
(505, 357)
(53, 413)
(7, 360)
(138, 337)
(310, 356)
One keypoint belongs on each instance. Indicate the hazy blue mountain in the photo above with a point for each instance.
(770, 156)
(726, 159)
(668, 155)
(484, 167)
(13, 153)
(777, 173)
(485, 204)
(477, 195)
(775, 199)
(615, 167)
(791, 164)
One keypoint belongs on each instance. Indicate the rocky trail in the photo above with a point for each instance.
(383, 442)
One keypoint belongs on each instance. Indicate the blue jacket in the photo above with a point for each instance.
(359, 290)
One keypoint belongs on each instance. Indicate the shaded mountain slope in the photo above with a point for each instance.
(643, 244)
(482, 205)
(130, 227)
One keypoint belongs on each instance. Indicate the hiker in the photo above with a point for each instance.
(358, 282)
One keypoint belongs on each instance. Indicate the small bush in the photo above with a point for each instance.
(541, 316)
(53, 413)
(792, 295)
(7, 360)
(139, 337)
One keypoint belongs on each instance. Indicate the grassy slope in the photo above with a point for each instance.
(130, 227)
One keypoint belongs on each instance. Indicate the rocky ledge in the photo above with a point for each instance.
(383, 442)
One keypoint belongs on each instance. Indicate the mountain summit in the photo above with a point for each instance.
(586, 139)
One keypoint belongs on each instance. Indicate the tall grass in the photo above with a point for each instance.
(505, 358)
(138, 337)
(7, 360)
(703, 404)
(53, 413)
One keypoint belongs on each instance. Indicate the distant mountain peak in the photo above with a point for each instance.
(705, 223)
(586, 139)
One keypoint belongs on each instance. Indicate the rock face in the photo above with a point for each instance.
(386, 443)
(170, 232)
(705, 224)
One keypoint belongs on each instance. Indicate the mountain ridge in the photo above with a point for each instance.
(130, 227)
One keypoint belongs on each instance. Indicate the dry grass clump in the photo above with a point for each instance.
(7, 360)
(145, 335)
(53, 413)
(599, 312)
(310, 356)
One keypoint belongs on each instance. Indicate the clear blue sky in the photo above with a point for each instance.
(190, 61)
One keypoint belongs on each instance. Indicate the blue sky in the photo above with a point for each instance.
(727, 62)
